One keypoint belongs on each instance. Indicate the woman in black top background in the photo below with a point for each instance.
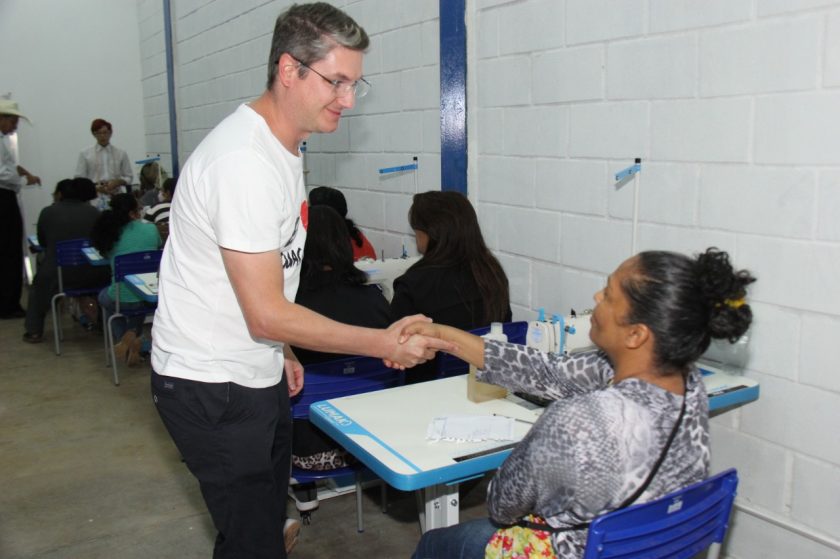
(331, 285)
(458, 281)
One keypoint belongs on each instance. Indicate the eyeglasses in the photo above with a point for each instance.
(359, 88)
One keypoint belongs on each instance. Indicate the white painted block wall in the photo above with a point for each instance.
(734, 106)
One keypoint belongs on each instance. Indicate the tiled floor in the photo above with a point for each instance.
(87, 470)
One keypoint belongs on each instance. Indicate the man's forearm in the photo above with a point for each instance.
(296, 325)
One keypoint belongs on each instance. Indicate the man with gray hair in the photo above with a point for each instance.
(11, 222)
(223, 369)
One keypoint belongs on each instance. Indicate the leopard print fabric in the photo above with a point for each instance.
(594, 444)
(323, 461)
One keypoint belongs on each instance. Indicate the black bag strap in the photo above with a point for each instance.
(629, 500)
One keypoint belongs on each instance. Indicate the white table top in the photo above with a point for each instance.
(94, 257)
(390, 426)
(384, 272)
(144, 285)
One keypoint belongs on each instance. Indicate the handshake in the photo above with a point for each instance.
(414, 340)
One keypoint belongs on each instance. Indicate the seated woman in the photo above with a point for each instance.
(70, 217)
(121, 230)
(152, 177)
(331, 285)
(615, 412)
(332, 197)
(458, 281)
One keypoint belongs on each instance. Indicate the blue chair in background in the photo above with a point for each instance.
(334, 379)
(68, 254)
(450, 366)
(676, 526)
(126, 264)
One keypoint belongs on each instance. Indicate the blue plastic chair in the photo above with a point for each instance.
(450, 366)
(676, 526)
(68, 254)
(334, 379)
(126, 264)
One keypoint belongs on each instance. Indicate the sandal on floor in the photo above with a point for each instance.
(133, 358)
(121, 350)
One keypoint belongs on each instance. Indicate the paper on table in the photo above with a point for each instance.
(470, 428)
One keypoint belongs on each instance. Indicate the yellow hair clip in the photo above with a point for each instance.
(735, 303)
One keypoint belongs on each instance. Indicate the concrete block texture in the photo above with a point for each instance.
(769, 57)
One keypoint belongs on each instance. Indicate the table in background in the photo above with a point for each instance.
(144, 286)
(386, 430)
(94, 257)
(384, 272)
(34, 244)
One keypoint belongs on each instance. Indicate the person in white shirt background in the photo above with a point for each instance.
(105, 164)
(11, 222)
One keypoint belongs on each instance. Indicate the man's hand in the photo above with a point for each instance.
(109, 187)
(32, 179)
(294, 374)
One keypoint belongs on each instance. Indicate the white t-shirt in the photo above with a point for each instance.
(241, 190)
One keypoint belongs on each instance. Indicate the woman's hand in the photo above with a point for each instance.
(428, 329)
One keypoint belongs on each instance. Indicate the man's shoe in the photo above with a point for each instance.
(33, 338)
(291, 532)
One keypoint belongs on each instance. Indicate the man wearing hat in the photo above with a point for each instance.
(11, 222)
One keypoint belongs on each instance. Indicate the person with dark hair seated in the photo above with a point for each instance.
(69, 217)
(334, 198)
(332, 286)
(121, 230)
(159, 212)
(627, 422)
(458, 281)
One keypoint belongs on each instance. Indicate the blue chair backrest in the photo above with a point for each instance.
(69, 253)
(334, 379)
(449, 365)
(678, 525)
(136, 263)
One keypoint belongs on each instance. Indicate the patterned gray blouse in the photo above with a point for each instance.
(594, 444)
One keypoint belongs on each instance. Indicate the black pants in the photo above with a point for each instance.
(237, 442)
(11, 252)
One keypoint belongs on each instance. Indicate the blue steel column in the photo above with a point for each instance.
(170, 87)
(453, 96)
